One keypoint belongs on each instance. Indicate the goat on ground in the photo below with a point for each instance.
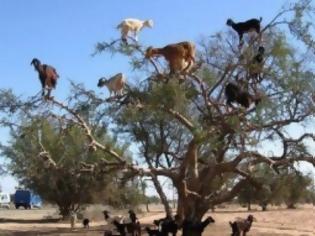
(115, 222)
(153, 232)
(47, 75)
(114, 84)
(120, 227)
(132, 224)
(245, 27)
(86, 223)
(133, 25)
(190, 226)
(167, 225)
(236, 94)
(242, 226)
(180, 56)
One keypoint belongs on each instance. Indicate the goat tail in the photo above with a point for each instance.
(260, 19)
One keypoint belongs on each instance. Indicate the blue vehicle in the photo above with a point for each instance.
(26, 199)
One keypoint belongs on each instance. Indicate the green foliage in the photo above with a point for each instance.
(66, 185)
(290, 187)
(296, 188)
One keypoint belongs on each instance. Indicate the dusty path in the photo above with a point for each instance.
(299, 222)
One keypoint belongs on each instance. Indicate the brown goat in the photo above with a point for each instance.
(47, 75)
(180, 56)
(242, 226)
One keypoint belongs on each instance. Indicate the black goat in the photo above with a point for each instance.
(132, 216)
(134, 227)
(47, 75)
(234, 93)
(244, 27)
(242, 226)
(235, 231)
(86, 223)
(154, 232)
(167, 225)
(189, 226)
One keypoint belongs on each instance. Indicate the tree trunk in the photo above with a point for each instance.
(64, 211)
(291, 206)
(147, 206)
(249, 208)
(163, 197)
(264, 206)
(194, 228)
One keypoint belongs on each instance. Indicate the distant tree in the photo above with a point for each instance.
(263, 194)
(296, 188)
(310, 196)
(289, 187)
(59, 179)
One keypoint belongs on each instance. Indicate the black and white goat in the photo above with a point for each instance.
(115, 222)
(245, 27)
(124, 225)
(256, 66)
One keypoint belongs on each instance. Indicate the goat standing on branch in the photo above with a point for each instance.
(236, 94)
(245, 27)
(47, 75)
(256, 66)
(114, 84)
(133, 25)
(180, 56)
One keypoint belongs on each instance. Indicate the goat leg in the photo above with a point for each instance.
(43, 91)
(48, 93)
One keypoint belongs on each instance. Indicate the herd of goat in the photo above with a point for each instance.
(130, 226)
(181, 59)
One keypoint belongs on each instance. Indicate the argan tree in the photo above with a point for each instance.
(184, 130)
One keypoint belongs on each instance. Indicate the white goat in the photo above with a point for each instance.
(114, 84)
(133, 25)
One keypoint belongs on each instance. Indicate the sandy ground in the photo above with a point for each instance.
(275, 222)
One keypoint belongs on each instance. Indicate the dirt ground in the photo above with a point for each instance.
(275, 222)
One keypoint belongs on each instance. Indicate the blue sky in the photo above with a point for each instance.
(63, 33)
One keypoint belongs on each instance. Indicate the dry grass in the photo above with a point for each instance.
(275, 222)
